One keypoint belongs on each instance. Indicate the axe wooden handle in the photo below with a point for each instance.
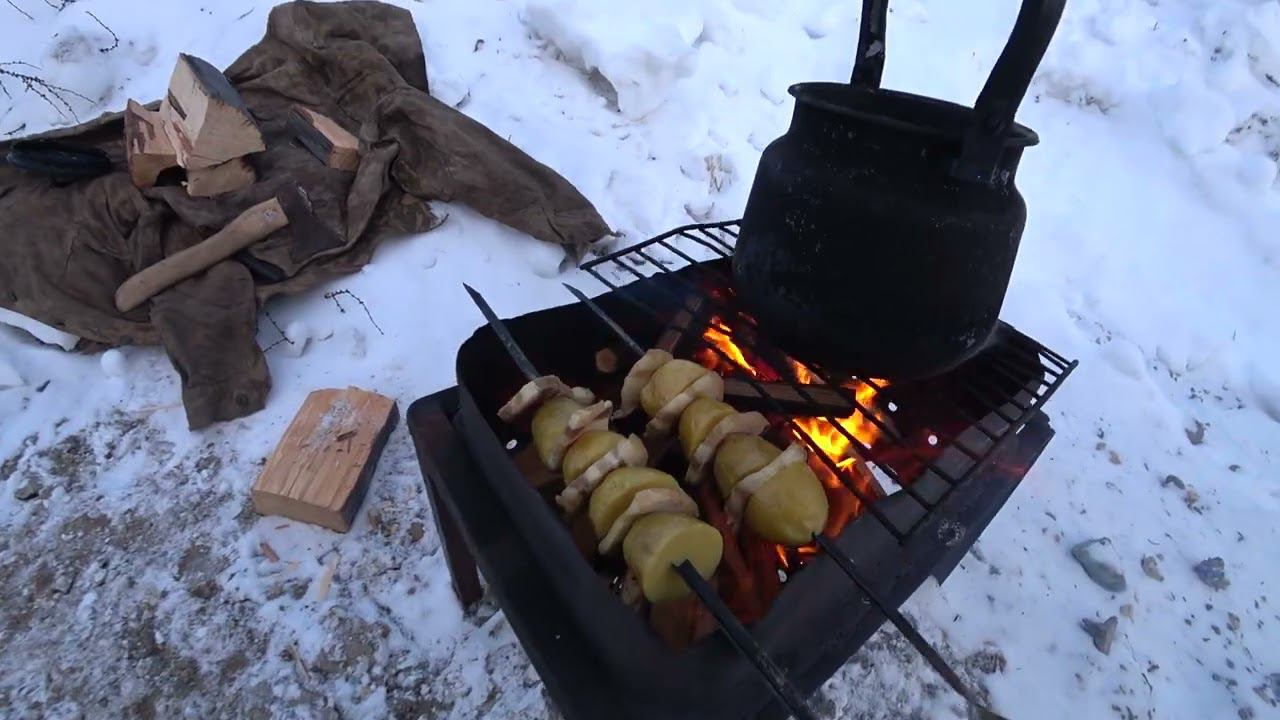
(248, 228)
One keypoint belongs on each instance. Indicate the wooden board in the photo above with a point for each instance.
(147, 147)
(222, 178)
(205, 117)
(326, 139)
(320, 471)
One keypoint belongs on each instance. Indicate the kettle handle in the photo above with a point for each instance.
(1001, 95)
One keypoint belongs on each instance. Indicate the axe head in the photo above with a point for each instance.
(311, 236)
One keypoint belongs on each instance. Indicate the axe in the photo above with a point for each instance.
(289, 207)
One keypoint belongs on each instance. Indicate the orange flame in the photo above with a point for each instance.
(826, 434)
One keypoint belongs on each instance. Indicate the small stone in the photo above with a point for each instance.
(205, 589)
(1196, 435)
(1233, 621)
(1151, 567)
(1098, 569)
(1127, 610)
(1103, 633)
(1114, 457)
(416, 531)
(27, 489)
(1233, 467)
(63, 581)
(1173, 480)
(1213, 572)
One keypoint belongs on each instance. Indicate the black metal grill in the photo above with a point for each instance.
(975, 414)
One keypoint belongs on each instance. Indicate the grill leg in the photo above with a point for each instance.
(462, 565)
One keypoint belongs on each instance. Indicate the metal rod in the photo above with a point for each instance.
(746, 645)
(904, 626)
(612, 324)
(504, 335)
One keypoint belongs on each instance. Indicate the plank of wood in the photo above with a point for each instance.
(326, 139)
(148, 151)
(205, 117)
(224, 177)
(827, 400)
(320, 471)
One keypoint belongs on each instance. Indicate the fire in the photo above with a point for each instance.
(827, 435)
(721, 340)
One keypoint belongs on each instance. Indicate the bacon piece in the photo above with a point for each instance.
(709, 385)
(630, 452)
(637, 377)
(736, 504)
(591, 417)
(751, 423)
(539, 390)
(647, 502)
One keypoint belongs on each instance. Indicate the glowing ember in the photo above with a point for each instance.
(715, 361)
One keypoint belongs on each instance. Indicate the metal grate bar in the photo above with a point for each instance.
(869, 502)
(1018, 363)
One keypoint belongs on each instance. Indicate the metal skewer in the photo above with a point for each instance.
(613, 325)
(504, 335)
(905, 627)
(745, 644)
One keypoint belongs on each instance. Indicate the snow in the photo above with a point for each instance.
(1150, 254)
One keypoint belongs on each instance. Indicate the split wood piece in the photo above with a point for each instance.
(148, 151)
(320, 471)
(326, 139)
(826, 399)
(205, 117)
(218, 179)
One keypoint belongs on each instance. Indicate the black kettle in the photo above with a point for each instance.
(882, 228)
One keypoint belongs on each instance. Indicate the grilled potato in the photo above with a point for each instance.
(789, 508)
(669, 381)
(739, 456)
(698, 419)
(657, 542)
(616, 491)
(549, 423)
(590, 447)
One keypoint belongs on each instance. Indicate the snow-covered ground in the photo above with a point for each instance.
(138, 580)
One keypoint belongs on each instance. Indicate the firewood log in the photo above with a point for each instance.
(205, 117)
(148, 151)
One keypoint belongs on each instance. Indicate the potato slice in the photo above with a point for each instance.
(560, 421)
(707, 385)
(657, 542)
(789, 508)
(698, 419)
(629, 452)
(667, 382)
(588, 448)
(738, 457)
(617, 490)
(638, 377)
(750, 423)
(647, 502)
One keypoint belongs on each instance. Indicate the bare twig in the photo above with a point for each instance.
(61, 5)
(54, 95)
(16, 130)
(115, 39)
(245, 14)
(283, 337)
(334, 297)
(15, 7)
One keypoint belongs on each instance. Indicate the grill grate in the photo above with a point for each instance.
(972, 412)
